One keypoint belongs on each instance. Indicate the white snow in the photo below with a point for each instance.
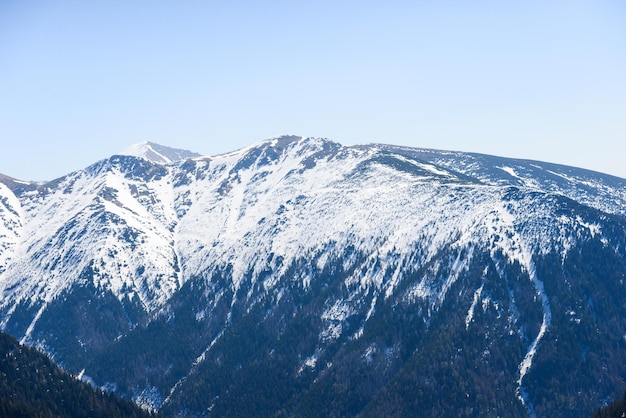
(511, 171)
(470, 313)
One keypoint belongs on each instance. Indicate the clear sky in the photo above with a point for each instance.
(82, 80)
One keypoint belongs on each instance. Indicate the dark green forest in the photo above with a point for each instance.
(31, 385)
(616, 410)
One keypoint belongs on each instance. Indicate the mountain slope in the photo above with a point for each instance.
(598, 190)
(10, 225)
(299, 275)
(32, 385)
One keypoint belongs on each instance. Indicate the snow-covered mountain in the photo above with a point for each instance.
(158, 153)
(160, 273)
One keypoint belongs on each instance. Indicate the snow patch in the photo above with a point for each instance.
(470, 312)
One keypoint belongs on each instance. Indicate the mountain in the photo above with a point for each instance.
(158, 153)
(32, 386)
(300, 277)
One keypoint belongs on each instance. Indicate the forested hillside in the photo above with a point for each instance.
(33, 386)
(616, 410)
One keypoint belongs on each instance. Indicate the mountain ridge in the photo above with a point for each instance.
(204, 252)
(158, 153)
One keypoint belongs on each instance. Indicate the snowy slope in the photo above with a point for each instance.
(385, 204)
(100, 219)
(274, 202)
(598, 190)
(10, 225)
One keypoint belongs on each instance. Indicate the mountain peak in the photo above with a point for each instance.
(158, 153)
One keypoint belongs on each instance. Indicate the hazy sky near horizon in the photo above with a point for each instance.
(80, 81)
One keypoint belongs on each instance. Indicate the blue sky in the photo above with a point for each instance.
(80, 81)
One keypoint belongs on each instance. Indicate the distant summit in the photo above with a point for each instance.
(158, 153)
